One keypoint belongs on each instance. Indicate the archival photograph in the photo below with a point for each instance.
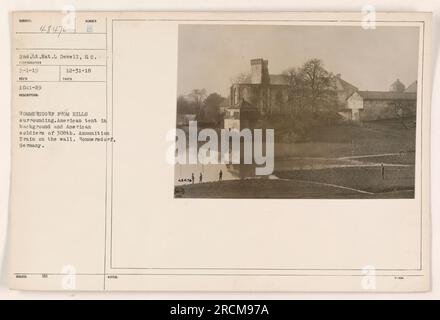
(299, 112)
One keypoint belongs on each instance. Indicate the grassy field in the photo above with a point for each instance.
(314, 168)
(375, 137)
(405, 158)
(279, 189)
(363, 178)
(257, 188)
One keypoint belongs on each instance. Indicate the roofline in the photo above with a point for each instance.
(259, 84)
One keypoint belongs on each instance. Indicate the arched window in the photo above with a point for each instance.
(236, 95)
(245, 94)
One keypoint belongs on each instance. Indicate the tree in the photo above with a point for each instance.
(405, 111)
(240, 78)
(320, 86)
(312, 98)
(184, 106)
(198, 96)
(296, 93)
(312, 89)
(397, 86)
(211, 108)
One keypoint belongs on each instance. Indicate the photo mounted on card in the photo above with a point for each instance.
(221, 151)
(272, 111)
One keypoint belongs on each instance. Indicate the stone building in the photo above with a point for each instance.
(379, 105)
(343, 90)
(266, 92)
(242, 115)
(262, 93)
(258, 94)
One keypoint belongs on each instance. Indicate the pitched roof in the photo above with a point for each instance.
(341, 84)
(246, 80)
(387, 95)
(275, 79)
(279, 79)
(412, 87)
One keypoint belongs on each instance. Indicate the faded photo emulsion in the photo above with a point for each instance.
(220, 151)
(276, 111)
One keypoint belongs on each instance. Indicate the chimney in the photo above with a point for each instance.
(259, 71)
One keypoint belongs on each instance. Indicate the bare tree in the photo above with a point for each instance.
(296, 93)
(311, 88)
(397, 86)
(319, 85)
(184, 106)
(404, 111)
(198, 96)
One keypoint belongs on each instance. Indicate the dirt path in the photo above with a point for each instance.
(370, 156)
(326, 184)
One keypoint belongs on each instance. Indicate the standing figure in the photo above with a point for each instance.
(220, 175)
(382, 170)
(200, 178)
(192, 178)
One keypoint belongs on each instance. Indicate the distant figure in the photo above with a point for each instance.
(200, 178)
(382, 170)
(192, 178)
(220, 175)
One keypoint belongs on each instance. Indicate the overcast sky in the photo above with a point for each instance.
(209, 56)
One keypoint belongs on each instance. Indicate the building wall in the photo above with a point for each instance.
(341, 96)
(259, 71)
(369, 110)
(232, 113)
(378, 110)
(242, 91)
(355, 102)
(265, 98)
(232, 124)
(345, 114)
(278, 99)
